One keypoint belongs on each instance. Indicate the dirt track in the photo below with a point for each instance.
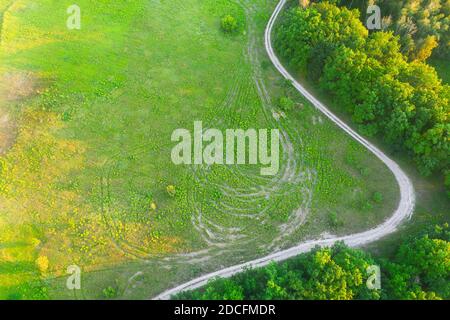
(403, 212)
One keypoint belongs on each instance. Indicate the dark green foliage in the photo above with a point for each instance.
(298, 33)
(377, 197)
(331, 273)
(447, 182)
(33, 290)
(335, 222)
(110, 292)
(367, 75)
(219, 289)
(419, 270)
(318, 58)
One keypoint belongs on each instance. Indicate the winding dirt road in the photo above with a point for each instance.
(404, 210)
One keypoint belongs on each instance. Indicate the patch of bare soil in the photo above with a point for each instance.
(17, 85)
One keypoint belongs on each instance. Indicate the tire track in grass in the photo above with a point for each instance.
(404, 210)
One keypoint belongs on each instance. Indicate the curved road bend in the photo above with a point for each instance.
(404, 210)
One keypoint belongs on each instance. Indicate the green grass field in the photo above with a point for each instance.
(94, 111)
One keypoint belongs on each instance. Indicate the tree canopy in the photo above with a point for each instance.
(420, 269)
(386, 92)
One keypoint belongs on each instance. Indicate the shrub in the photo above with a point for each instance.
(377, 197)
(334, 220)
(229, 24)
(265, 64)
(286, 104)
(42, 263)
(110, 292)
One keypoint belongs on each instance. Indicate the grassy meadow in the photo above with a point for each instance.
(85, 171)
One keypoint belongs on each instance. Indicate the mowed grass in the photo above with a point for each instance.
(93, 150)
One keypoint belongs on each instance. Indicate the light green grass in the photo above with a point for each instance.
(94, 149)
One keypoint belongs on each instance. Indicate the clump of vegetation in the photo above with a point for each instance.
(48, 200)
(387, 93)
(447, 181)
(265, 64)
(335, 222)
(171, 190)
(32, 290)
(229, 24)
(110, 292)
(366, 206)
(315, 275)
(286, 104)
(419, 270)
(42, 263)
(377, 197)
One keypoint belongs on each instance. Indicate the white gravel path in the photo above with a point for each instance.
(403, 212)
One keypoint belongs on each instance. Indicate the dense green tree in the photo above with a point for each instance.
(339, 77)
(318, 58)
(282, 283)
(419, 270)
(337, 273)
(329, 273)
(431, 149)
(384, 47)
(396, 99)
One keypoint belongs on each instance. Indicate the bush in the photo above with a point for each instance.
(419, 270)
(335, 222)
(229, 24)
(286, 104)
